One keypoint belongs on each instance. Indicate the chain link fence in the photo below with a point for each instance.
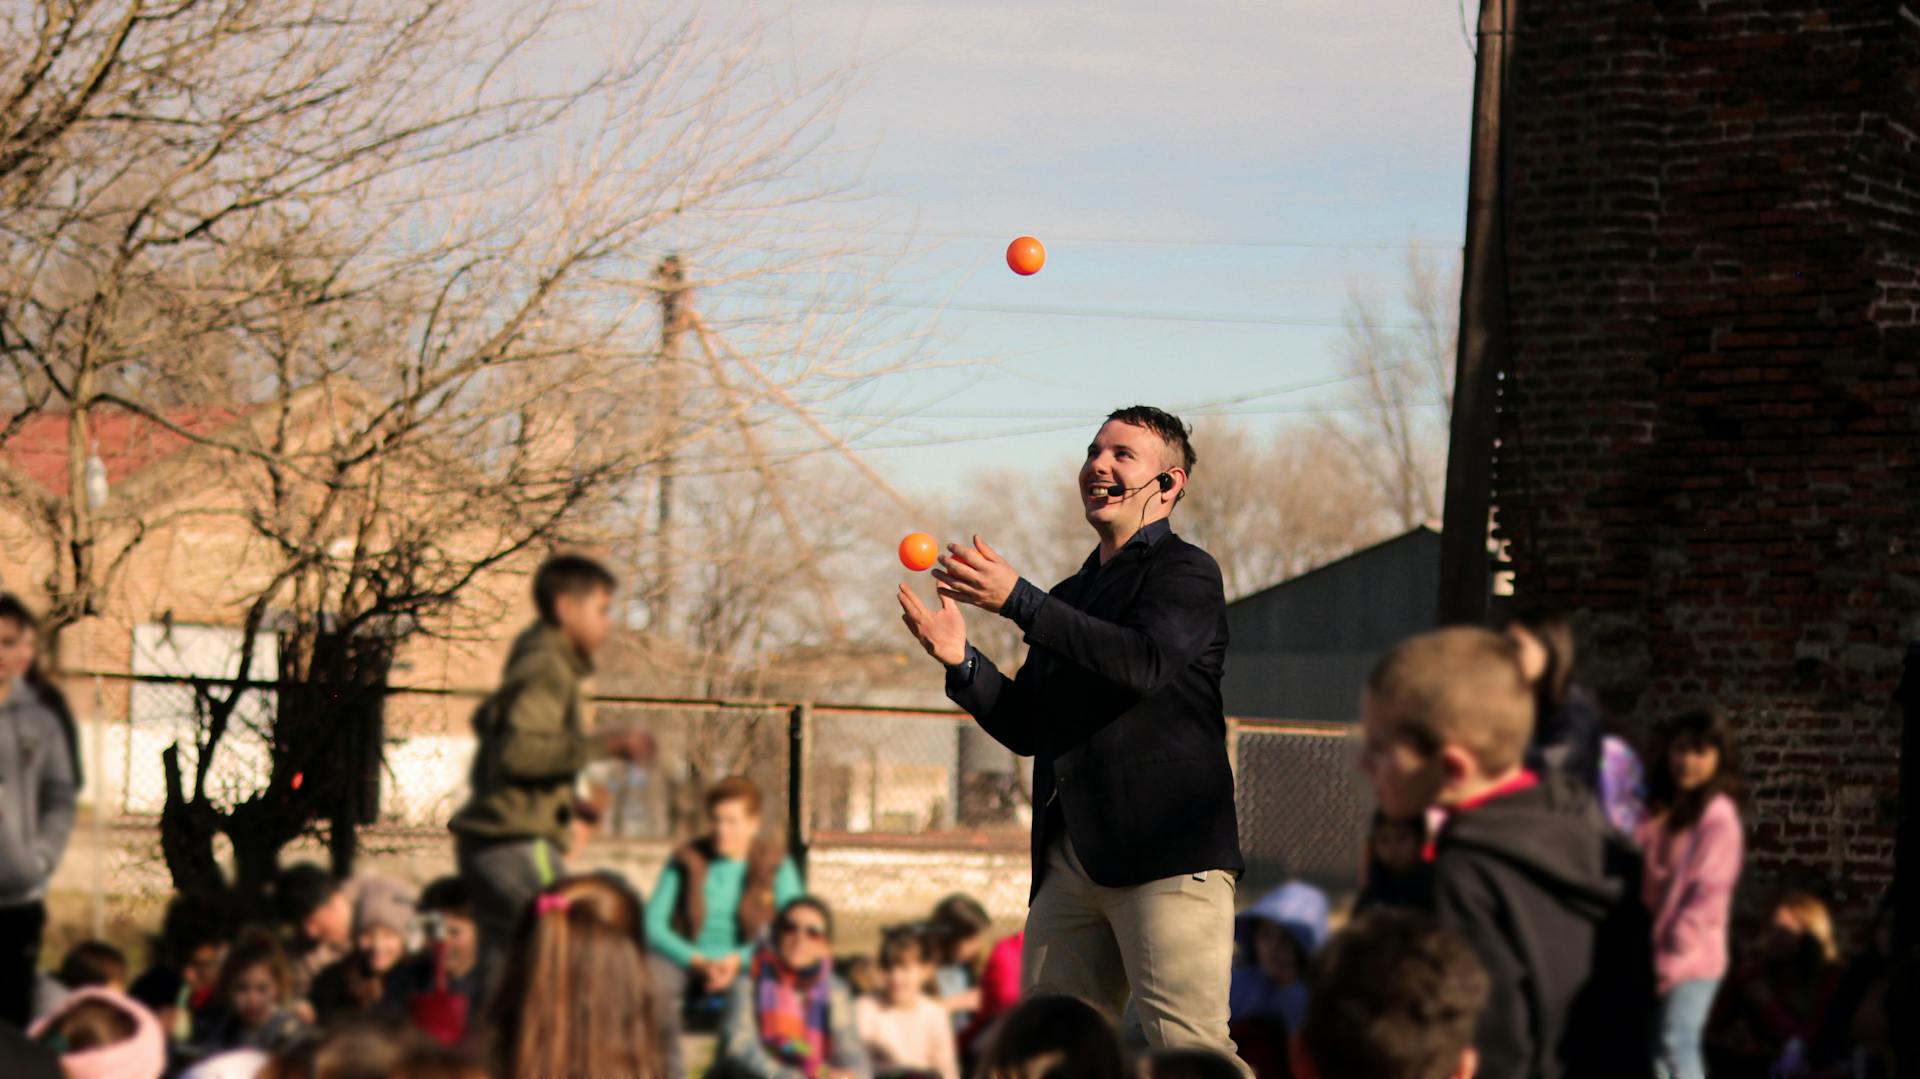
(891, 809)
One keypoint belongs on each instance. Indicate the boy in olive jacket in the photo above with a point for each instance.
(511, 834)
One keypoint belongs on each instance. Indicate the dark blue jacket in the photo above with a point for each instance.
(1119, 705)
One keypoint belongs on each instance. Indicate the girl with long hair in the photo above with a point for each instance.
(577, 998)
(1693, 848)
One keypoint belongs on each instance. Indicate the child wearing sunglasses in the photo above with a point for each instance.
(790, 1017)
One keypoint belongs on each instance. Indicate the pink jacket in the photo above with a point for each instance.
(1689, 887)
(143, 1056)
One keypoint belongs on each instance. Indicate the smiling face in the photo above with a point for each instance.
(1130, 456)
(802, 938)
(382, 946)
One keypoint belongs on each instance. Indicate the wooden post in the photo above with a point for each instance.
(670, 279)
(1483, 348)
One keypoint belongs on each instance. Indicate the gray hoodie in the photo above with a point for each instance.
(36, 795)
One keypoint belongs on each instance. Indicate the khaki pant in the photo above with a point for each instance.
(1167, 943)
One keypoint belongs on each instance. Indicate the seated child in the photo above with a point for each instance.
(1394, 996)
(905, 1030)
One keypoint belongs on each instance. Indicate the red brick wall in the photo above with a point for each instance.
(1710, 432)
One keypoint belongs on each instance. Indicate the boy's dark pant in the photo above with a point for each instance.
(21, 928)
(503, 877)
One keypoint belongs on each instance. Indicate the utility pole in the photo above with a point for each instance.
(670, 281)
(1464, 567)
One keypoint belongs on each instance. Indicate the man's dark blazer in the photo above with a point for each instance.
(1119, 705)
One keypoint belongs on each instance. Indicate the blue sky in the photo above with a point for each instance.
(1200, 160)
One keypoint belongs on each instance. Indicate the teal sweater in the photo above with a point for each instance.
(720, 933)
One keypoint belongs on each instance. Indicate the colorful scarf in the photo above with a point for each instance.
(793, 1007)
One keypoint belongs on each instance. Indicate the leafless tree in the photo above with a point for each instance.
(413, 248)
(1395, 423)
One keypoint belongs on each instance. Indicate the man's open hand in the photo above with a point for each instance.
(942, 632)
(976, 575)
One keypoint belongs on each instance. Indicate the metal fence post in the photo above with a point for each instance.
(799, 741)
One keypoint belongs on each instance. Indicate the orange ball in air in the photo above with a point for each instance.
(1026, 255)
(919, 552)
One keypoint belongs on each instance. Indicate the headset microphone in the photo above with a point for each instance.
(1118, 490)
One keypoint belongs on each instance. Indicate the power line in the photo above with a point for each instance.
(1157, 241)
(1046, 311)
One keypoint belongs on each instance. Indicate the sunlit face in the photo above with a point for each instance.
(585, 619)
(734, 828)
(381, 945)
(253, 996)
(1130, 456)
(906, 981)
(1277, 953)
(1692, 763)
(1533, 653)
(16, 651)
(803, 938)
(459, 944)
(1405, 781)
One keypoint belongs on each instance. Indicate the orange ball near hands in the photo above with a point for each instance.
(1026, 255)
(919, 552)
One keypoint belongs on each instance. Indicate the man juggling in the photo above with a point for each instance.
(1136, 851)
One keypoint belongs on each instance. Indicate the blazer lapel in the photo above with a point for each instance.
(1125, 564)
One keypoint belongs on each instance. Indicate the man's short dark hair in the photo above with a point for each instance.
(1394, 996)
(568, 575)
(301, 889)
(1172, 430)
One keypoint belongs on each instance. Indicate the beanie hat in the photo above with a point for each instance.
(143, 1056)
(385, 904)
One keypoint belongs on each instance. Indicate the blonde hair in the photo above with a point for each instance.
(1816, 921)
(1457, 686)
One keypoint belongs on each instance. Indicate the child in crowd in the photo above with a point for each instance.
(905, 1030)
(102, 1033)
(436, 989)
(1056, 1038)
(1397, 874)
(576, 996)
(1394, 996)
(958, 930)
(94, 964)
(1525, 865)
(1777, 1004)
(193, 941)
(316, 925)
(716, 897)
(352, 987)
(789, 1016)
(37, 786)
(1275, 941)
(999, 992)
(253, 1000)
(1567, 725)
(1693, 853)
(1856, 1040)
